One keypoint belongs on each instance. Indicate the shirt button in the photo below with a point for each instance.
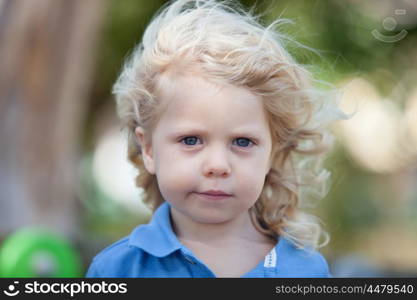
(189, 259)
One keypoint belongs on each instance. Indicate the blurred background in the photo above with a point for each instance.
(67, 191)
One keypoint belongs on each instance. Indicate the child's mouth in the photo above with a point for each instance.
(214, 195)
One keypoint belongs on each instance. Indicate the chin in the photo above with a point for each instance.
(210, 218)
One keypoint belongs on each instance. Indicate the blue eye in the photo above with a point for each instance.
(243, 142)
(190, 140)
(193, 140)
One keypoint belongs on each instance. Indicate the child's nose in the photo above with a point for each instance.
(216, 172)
(216, 165)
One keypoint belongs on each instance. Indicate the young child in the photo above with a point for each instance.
(227, 133)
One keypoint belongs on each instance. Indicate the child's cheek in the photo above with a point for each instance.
(177, 176)
(251, 182)
(250, 178)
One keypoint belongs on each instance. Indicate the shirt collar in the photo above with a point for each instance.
(157, 237)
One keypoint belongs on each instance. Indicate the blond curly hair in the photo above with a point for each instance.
(229, 45)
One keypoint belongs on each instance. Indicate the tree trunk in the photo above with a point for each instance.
(46, 58)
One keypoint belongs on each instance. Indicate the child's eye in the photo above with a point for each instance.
(190, 140)
(243, 142)
(193, 140)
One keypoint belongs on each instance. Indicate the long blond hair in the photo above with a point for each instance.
(229, 45)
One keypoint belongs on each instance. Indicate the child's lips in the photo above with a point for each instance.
(214, 195)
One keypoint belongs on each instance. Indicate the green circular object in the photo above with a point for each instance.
(34, 252)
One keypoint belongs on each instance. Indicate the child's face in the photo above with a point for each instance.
(209, 138)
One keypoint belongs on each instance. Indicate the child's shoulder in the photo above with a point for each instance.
(118, 248)
(300, 262)
(155, 238)
(113, 259)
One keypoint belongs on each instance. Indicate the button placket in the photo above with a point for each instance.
(199, 269)
(189, 259)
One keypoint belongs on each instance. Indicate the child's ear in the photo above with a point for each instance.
(147, 151)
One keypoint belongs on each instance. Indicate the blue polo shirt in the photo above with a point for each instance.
(153, 250)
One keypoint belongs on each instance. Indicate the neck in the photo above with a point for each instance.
(240, 228)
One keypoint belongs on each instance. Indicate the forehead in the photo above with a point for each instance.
(190, 99)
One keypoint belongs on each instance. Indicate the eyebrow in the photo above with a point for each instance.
(243, 130)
